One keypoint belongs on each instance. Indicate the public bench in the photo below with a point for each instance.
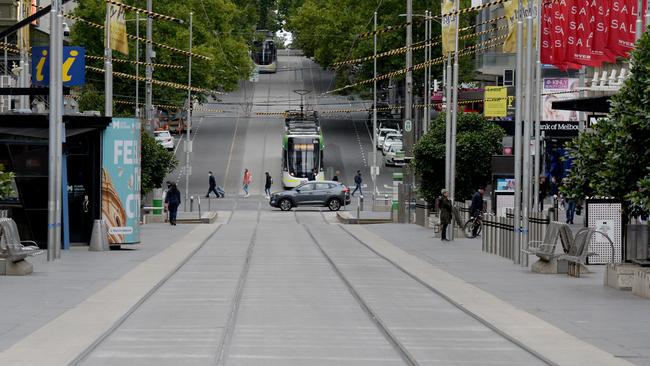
(545, 249)
(578, 251)
(12, 249)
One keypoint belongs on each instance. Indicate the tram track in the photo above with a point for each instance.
(99, 341)
(372, 315)
(449, 300)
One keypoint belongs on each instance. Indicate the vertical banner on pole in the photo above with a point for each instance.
(448, 28)
(119, 41)
(121, 181)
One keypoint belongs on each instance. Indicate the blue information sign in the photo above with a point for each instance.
(74, 66)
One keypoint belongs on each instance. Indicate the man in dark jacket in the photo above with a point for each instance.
(357, 181)
(445, 214)
(476, 208)
(311, 175)
(172, 201)
(212, 185)
(543, 192)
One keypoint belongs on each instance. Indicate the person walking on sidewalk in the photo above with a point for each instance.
(248, 178)
(543, 192)
(445, 214)
(267, 185)
(357, 181)
(172, 201)
(335, 178)
(212, 186)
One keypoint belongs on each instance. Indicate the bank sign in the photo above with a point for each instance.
(121, 181)
(73, 67)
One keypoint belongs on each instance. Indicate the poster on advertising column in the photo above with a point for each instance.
(556, 89)
(121, 181)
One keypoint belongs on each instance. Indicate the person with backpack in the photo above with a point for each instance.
(357, 181)
(267, 185)
(445, 214)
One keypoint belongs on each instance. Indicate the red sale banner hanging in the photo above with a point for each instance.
(622, 25)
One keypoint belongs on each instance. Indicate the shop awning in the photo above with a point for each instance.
(594, 105)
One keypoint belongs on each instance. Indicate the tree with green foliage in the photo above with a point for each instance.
(328, 30)
(613, 159)
(222, 30)
(6, 183)
(156, 163)
(476, 141)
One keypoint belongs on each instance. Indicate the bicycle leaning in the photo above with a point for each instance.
(473, 227)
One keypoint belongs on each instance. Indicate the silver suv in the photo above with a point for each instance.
(329, 194)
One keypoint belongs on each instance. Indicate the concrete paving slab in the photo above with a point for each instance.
(612, 320)
(543, 338)
(66, 337)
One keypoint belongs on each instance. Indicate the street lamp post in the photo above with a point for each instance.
(518, 143)
(409, 131)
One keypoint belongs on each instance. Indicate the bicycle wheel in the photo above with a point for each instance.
(480, 227)
(468, 228)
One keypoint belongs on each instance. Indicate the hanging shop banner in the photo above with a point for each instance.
(119, 41)
(495, 101)
(511, 13)
(74, 66)
(557, 89)
(448, 27)
(121, 181)
(622, 25)
(578, 33)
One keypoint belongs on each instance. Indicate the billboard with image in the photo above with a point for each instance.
(121, 181)
(557, 89)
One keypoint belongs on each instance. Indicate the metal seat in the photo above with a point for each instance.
(11, 247)
(579, 251)
(545, 249)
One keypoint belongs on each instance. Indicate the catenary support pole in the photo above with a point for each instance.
(518, 134)
(54, 142)
(454, 116)
(137, 65)
(374, 110)
(148, 97)
(639, 19)
(538, 107)
(448, 121)
(408, 99)
(108, 65)
(188, 130)
(425, 84)
(528, 111)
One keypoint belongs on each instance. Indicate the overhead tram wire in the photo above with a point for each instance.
(416, 46)
(402, 26)
(147, 12)
(14, 48)
(495, 42)
(157, 82)
(130, 36)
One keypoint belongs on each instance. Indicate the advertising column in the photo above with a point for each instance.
(121, 181)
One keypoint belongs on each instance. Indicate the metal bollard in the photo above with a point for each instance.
(191, 203)
(361, 201)
(199, 203)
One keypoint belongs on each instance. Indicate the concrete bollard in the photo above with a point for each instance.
(99, 237)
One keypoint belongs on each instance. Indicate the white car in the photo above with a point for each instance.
(381, 135)
(391, 139)
(394, 156)
(165, 139)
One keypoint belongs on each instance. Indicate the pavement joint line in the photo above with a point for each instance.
(548, 343)
(69, 338)
(226, 339)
